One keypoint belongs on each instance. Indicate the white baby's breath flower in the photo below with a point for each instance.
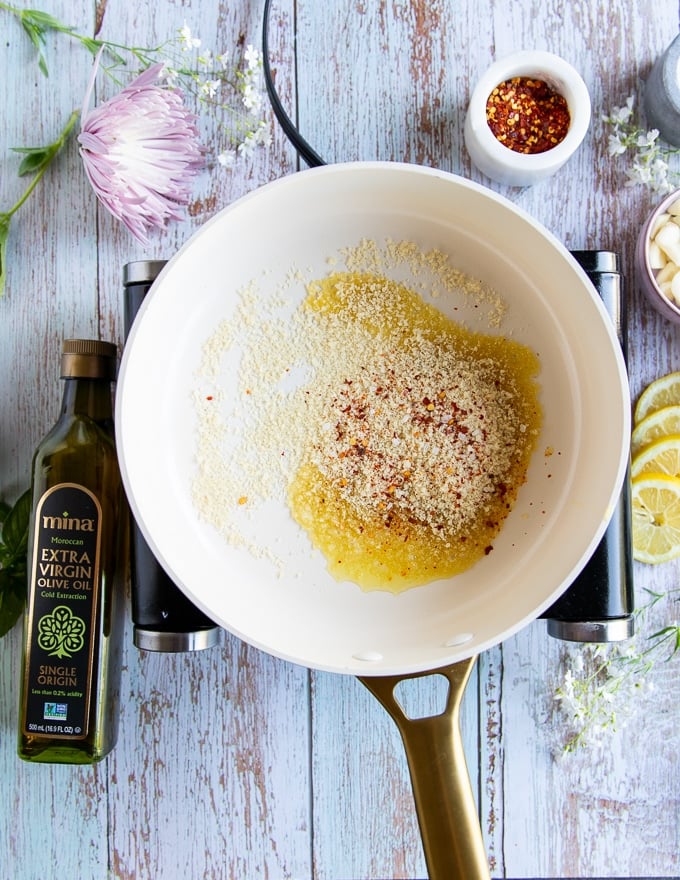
(186, 39)
(661, 172)
(227, 158)
(600, 687)
(647, 139)
(209, 87)
(622, 114)
(650, 160)
(253, 57)
(262, 135)
(235, 97)
(170, 75)
(615, 145)
(206, 60)
(252, 99)
(246, 147)
(638, 173)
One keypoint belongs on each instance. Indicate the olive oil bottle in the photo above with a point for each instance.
(68, 709)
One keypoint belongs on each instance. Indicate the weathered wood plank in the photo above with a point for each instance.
(360, 774)
(350, 56)
(203, 784)
(50, 293)
(584, 814)
(214, 758)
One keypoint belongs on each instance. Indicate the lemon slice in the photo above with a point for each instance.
(657, 424)
(656, 517)
(664, 391)
(661, 456)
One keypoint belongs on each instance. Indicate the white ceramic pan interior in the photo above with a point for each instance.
(282, 599)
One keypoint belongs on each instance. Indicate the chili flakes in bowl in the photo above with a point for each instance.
(526, 115)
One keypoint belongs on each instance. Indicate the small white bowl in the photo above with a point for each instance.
(646, 266)
(502, 164)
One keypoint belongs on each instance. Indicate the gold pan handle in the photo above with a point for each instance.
(445, 806)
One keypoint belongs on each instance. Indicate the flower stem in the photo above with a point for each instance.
(53, 149)
(36, 161)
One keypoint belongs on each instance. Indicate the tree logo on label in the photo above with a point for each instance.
(61, 633)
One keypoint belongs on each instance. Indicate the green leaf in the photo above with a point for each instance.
(12, 601)
(668, 633)
(15, 527)
(13, 552)
(92, 45)
(44, 21)
(36, 23)
(35, 158)
(37, 37)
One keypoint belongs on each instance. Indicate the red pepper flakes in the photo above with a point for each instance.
(526, 115)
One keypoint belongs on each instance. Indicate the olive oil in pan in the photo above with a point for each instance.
(421, 452)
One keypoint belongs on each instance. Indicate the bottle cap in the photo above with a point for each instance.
(88, 359)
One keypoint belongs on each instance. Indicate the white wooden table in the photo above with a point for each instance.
(232, 764)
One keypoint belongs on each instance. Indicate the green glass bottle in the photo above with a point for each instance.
(68, 710)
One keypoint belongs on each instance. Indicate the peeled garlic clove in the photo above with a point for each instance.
(666, 290)
(660, 221)
(657, 260)
(674, 209)
(668, 239)
(666, 274)
(675, 287)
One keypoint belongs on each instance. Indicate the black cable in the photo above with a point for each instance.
(310, 155)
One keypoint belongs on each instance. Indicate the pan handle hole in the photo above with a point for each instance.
(422, 697)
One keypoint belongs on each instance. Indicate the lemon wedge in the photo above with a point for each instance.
(661, 456)
(664, 391)
(657, 424)
(656, 517)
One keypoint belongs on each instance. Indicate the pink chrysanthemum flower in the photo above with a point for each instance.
(141, 152)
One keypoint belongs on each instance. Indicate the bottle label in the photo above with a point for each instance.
(62, 611)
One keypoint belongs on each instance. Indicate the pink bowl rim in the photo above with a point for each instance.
(647, 280)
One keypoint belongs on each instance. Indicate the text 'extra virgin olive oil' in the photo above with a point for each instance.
(68, 711)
